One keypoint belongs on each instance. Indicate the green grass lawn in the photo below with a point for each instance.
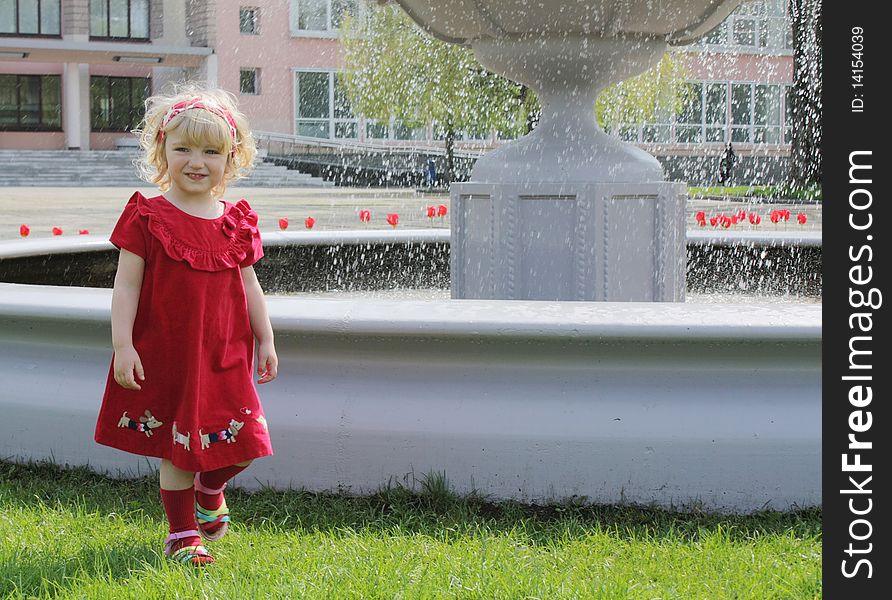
(73, 534)
(759, 191)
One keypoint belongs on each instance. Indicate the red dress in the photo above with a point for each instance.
(198, 406)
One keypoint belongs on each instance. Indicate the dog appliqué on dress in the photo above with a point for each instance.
(227, 435)
(179, 438)
(145, 424)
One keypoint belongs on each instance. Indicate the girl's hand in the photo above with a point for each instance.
(126, 362)
(267, 363)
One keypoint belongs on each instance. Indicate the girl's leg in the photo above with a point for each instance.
(178, 497)
(211, 510)
(173, 478)
(215, 480)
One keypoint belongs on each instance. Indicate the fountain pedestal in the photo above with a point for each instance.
(551, 241)
(568, 212)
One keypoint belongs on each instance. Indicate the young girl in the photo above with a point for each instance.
(186, 308)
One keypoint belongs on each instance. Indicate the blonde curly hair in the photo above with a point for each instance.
(200, 127)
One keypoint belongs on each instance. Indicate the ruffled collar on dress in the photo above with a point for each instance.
(206, 244)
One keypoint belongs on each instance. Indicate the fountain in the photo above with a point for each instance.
(668, 403)
(568, 212)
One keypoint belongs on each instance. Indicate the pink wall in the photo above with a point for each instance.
(118, 70)
(276, 53)
(23, 67)
(740, 67)
(36, 68)
(32, 140)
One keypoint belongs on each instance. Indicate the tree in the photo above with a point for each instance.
(637, 100)
(393, 70)
(805, 167)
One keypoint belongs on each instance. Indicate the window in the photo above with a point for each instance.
(321, 15)
(703, 116)
(767, 109)
(117, 103)
(756, 25)
(744, 32)
(119, 19)
(29, 17)
(375, 130)
(689, 129)
(401, 131)
(249, 81)
(322, 108)
(30, 102)
(788, 114)
(741, 111)
(760, 114)
(716, 113)
(660, 130)
(718, 36)
(346, 125)
(395, 130)
(247, 20)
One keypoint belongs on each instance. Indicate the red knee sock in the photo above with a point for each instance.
(216, 479)
(179, 505)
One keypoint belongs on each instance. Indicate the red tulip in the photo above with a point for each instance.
(57, 231)
(24, 230)
(726, 222)
(700, 216)
(393, 219)
(713, 221)
(755, 219)
(84, 232)
(431, 212)
(442, 210)
(775, 216)
(801, 218)
(283, 223)
(735, 219)
(785, 214)
(310, 222)
(741, 215)
(365, 216)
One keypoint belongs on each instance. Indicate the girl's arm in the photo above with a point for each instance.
(125, 300)
(267, 361)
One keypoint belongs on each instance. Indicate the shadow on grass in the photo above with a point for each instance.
(41, 574)
(431, 511)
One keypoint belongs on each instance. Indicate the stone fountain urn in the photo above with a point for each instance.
(568, 212)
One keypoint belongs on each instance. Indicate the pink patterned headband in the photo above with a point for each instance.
(197, 103)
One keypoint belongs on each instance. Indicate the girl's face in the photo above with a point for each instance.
(194, 168)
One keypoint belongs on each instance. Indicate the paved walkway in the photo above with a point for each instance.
(97, 209)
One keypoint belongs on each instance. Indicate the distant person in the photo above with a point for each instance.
(726, 166)
(431, 173)
(186, 309)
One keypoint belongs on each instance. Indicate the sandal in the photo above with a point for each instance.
(196, 555)
(213, 524)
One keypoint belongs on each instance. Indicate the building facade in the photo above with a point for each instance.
(74, 73)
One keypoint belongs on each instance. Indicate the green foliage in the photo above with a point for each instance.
(392, 69)
(638, 100)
